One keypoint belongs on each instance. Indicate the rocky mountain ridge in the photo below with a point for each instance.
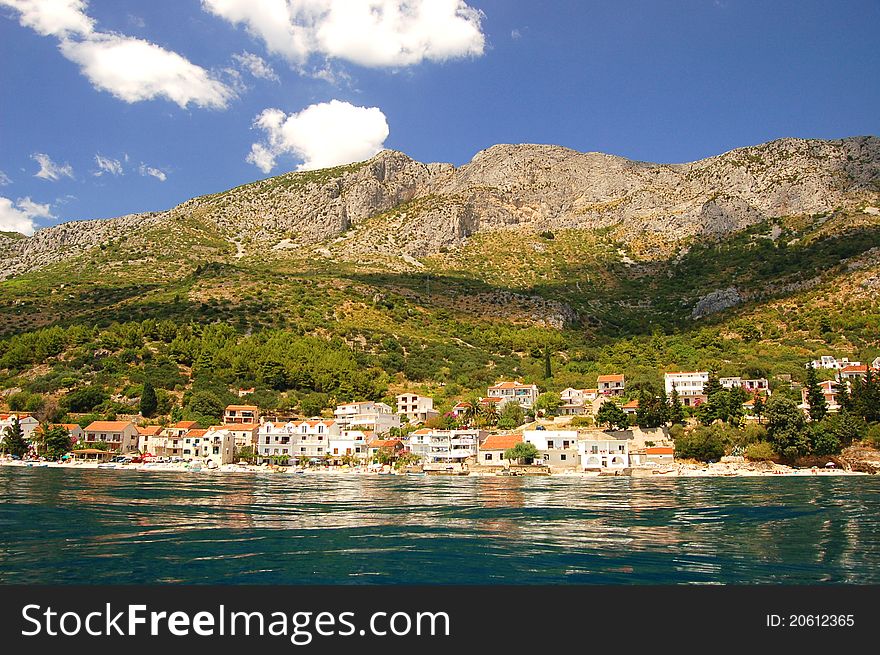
(392, 206)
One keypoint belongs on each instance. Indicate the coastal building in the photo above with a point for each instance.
(493, 446)
(215, 445)
(27, 423)
(445, 445)
(394, 446)
(121, 436)
(523, 394)
(180, 428)
(688, 384)
(611, 385)
(416, 408)
(245, 434)
(296, 439)
(241, 414)
(573, 409)
(460, 409)
(603, 454)
(148, 438)
(349, 444)
(577, 402)
(876, 364)
(659, 455)
(558, 449)
(370, 416)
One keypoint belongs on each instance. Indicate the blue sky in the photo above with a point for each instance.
(119, 106)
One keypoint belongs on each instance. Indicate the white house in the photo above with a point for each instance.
(603, 453)
(445, 445)
(215, 444)
(827, 361)
(558, 448)
(27, 422)
(351, 443)
(368, 415)
(611, 385)
(523, 394)
(310, 439)
(492, 448)
(830, 393)
(241, 414)
(850, 373)
(689, 385)
(245, 434)
(757, 385)
(416, 408)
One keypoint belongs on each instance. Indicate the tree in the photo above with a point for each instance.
(13, 439)
(56, 441)
(149, 400)
(676, 410)
(85, 399)
(815, 396)
(522, 452)
(652, 409)
(712, 385)
(702, 444)
(786, 428)
(548, 369)
(612, 415)
(758, 407)
(489, 413)
(548, 402)
(205, 403)
(472, 411)
(512, 416)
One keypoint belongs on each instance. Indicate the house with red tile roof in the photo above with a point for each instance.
(523, 394)
(121, 436)
(611, 385)
(241, 414)
(492, 447)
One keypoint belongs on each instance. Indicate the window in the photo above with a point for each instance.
(562, 457)
(488, 456)
(594, 450)
(550, 444)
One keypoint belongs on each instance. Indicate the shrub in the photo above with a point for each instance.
(759, 451)
(701, 444)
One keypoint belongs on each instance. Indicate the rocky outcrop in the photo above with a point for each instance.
(716, 301)
(394, 206)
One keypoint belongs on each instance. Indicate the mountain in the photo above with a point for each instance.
(389, 274)
(394, 207)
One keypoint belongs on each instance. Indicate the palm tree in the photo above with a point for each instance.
(489, 413)
(472, 413)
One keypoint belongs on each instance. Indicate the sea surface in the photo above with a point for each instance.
(130, 527)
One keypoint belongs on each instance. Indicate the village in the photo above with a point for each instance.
(578, 437)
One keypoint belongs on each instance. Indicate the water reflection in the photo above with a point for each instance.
(125, 526)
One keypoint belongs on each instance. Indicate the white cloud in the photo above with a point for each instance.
(53, 17)
(131, 69)
(321, 135)
(158, 173)
(49, 170)
(375, 33)
(107, 165)
(4, 179)
(19, 216)
(256, 66)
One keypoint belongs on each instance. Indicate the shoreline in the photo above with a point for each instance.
(668, 471)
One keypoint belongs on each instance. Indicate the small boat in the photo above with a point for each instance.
(418, 475)
(106, 466)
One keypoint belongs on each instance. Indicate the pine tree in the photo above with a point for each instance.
(149, 400)
(712, 385)
(815, 396)
(548, 370)
(56, 441)
(13, 439)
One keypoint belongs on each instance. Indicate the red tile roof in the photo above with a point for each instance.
(150, 430)
(500, 441)
(252, 408)
(108, 426)
(185, 425)
(610, 378)
(659, 450)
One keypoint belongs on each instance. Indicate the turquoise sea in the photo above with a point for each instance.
(130, 527)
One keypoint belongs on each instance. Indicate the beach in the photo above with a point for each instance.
(682, 469)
